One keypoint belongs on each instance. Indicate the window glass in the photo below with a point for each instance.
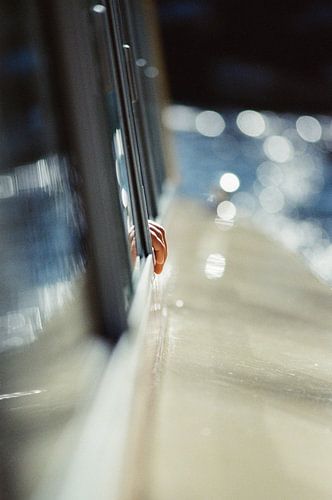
(41, 216)
(118, 146)
(117, 135)
(46, 318)
(148, 71)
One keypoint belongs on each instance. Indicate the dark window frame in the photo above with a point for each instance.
(86, 128)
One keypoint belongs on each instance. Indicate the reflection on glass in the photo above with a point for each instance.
(41, 249)
(141, 62)
(151, 71)
(121, 171)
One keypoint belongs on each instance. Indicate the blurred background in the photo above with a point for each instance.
(271, 55)
(251, 114)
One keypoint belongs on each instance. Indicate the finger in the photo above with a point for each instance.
(133, 251)
(159, 254)
(158, 268)
(158, 247)
(158, 228)
(160, 231)
(156, 225)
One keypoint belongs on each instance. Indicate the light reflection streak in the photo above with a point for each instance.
(20, 327)
(215, 266)
(224, 225)
(124, 197)
(22, 394)
(99, 9)
(47, 174)
(40, 247)
(54, 296)
(7, 188)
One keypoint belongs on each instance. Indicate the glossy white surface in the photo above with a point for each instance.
(242, 405)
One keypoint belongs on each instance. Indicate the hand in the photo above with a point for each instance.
(159, 245)
(158, 242)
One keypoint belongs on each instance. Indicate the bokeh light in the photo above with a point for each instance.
(226, 210)
(229, 182)
(278, 148)
(245, 204)
(251, 123)
(210, 123)
(272, 200)
(309, 128)
(179, 118)
(269, 173)
(151, 71)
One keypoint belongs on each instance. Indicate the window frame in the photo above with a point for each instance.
(86, 128)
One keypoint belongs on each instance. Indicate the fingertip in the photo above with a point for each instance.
(158, 268)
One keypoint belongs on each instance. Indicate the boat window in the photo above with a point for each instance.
(120, 124)
(149, 85)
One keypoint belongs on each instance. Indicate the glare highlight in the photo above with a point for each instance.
(99, 9)
(124, 197)
(7, 188)
(229, 182)
(15, 395)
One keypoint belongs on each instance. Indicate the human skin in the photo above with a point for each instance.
(158, 243)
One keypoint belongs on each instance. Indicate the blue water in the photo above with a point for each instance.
(304, 187)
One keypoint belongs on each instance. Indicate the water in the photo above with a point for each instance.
(283, 167)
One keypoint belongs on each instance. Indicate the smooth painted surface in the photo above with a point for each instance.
(242, 405)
